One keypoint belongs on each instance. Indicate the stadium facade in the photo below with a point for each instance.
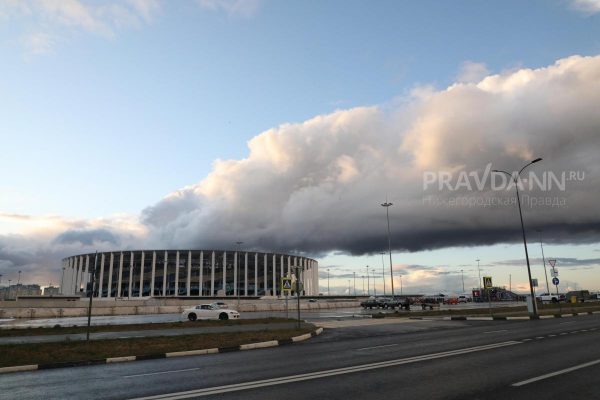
(186, 273)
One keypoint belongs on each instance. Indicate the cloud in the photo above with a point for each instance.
(586, 6)
(472, 72)
(316, 186)
(237, 8)
(52, 19)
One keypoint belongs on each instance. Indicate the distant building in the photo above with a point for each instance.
(51, 291)
(13, 291)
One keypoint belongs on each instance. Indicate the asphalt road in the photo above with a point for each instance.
(410, 360)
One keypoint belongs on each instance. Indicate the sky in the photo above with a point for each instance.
(196, 124)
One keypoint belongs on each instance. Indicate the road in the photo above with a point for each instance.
(412, 359)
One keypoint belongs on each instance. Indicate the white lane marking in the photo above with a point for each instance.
(568, 322)
(563, 333)
(377, 347)
(501, 330)
(551, 335)
(321, 374)
(162, 372)
(539, 337)
(573, 331)
(526, 340)
(551, 374)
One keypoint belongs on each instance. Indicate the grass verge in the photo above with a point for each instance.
(59, 330)
(44, 353)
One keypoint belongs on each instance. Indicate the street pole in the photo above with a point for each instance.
(387, 214)
(89, 322)
(18, 284)
(349, 287)
(374, 288)
(383, 272)
(354, 277)
(298, 292)
(516, 182)
(363, 279)
(462, 275)
(544, 261)
(328, 294)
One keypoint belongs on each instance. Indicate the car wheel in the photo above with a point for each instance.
(223, 316)
(192, 316)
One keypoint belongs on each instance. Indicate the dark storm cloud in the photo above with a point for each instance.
(316, 187)
(87, 237)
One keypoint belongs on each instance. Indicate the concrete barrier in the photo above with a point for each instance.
(59, 308)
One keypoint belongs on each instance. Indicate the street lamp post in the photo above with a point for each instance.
(328, 294)
(515, 179)
(383, 272)
(363, 279)
(374, 288)
(462, 275)
(349, 287)
(401, 292)
(544, 261)
(387, 206)
(354, 277)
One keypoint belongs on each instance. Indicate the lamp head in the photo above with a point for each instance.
(536, 160)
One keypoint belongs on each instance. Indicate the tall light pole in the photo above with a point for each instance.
(383, 272)
(544, 261)
(237, 262)
(349, 287)
(363, 279)
(374, 288)
(401, 285)
(328, 294)
(354, 277)
(462, 275)
(515, 179)
(368, 284)
(387, 206)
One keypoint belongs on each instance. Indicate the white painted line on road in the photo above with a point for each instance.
(321, 374)
(539, 337)
(501, 330)
(562, 371)
(568, 322)
(563, 333)
(526, 340)
(162, 372)
(377, 347)
(573, 331)
(551, 335)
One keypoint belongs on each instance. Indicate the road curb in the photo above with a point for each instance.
(504, 318)
(110, 360)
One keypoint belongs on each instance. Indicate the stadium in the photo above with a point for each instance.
(185, 273)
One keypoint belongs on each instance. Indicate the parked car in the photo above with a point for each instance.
(550, 298)
(209, 311)
(463, 299)
(370, 303)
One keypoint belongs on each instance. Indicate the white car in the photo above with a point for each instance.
(209, 311)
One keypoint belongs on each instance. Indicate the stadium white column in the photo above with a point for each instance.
(274, 275)
(246, 273)
(130, 286)
(120, 280)
(164, 289)
(110, 275)
(74, 276)
(266, 281)
(87, 271)
(201, 279)
(153, 276)
(256, 274)
(235, 274)
(212, 275)
(142, 266)
(177, 273)
(289, 265)
(67, 284)
(224, 286)
(281, 273)
(189, 273)
(101, 276)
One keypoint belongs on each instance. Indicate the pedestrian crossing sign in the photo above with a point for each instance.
(487, 282)
(286, 284)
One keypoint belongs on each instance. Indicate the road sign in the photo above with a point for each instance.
(487, 282)
(554, 272)
(534, 282)
(555, 281)
(552, 262)
(286, 284)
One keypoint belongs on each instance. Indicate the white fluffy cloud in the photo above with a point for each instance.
(586, 6)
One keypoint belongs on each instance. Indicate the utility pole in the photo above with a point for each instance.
(387, 214)
(383, 272)
(89, 323)
(297, 270)
(544, 261)
(462, 275)
(354, 277)
(368, 283)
